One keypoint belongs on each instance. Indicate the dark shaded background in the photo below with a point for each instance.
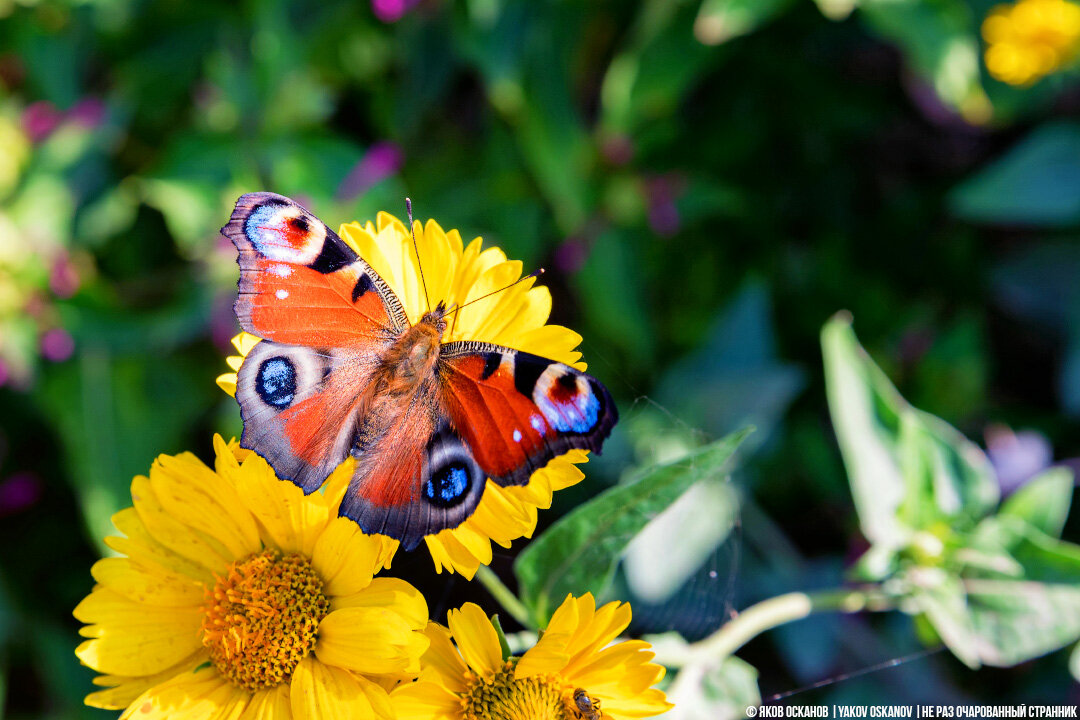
(701, 210)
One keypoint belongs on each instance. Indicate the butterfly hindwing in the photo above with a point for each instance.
(414, 476)
(517, 411)
(301, 284)
(299, 407)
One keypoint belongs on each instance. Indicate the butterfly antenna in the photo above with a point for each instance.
(416, 249)
(534, 273)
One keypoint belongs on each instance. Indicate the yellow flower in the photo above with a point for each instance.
(572, 669)
(238, 595)
(1030, 39)
(515, 318)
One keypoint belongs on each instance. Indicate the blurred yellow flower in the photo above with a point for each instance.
(516, 318)
(1030, 39)
(571, 670)
(237, 594)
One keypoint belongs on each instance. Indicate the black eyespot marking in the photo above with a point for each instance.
(276, 382)
(449, 485)
(300, 223)
(335, 254)
(363, 284)
(569, 382)
(491, 364)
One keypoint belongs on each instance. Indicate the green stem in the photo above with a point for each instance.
(782, 609)
(509, 601)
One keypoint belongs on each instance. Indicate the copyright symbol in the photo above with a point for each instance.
(751, 711)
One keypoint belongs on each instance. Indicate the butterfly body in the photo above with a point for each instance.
(342, 372)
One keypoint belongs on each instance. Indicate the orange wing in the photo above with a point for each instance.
(301, 284)
(517, 411)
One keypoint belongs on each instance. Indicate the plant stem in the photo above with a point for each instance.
(509, 601)
(782, 609)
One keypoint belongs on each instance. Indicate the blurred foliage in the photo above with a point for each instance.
(707, 182)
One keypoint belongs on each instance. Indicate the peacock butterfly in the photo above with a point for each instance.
(341, 371)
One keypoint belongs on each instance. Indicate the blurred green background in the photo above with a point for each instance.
(705, 182)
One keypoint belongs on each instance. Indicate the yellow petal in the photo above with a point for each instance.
(438, 262)
(141, 547)
(131, 638)
(290, 521)
(390, 593)
(371, 640)
(270, 704)
(554, 342)
(533, 313)
(477, 317)
(454, 556)
(345, 557)
(227, 382)
(196, 496)
(476, 639)
(443, 659)
(321, 691)
(121, 691)
(173, 534)
(152, 586)
(425, 701)
(199, 695)
(547, 656)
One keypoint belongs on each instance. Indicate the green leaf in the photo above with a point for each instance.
(578, 554)
(1043, 502)
(720, 691)
(1036, 183)
(866, 410)
(940, 596)
(720, 688)
(1008, 612)
(1074, 663)
(702, 519)
(940, 42)
(721, 20)
(909, 471)
(503, 644)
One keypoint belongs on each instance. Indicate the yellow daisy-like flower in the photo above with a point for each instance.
(239, 596)
(1030, 39)
(572, 673)
(515, 318)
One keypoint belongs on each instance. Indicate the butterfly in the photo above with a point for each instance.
(342, 372)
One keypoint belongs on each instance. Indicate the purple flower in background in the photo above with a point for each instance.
(1017, 457)
(571, 255)
(19, 492)
(40, 119)
(5, 374)
(63, 278)
(88, 112)
(391, 10)
(57, 345)
(661, 192)
(380, 161)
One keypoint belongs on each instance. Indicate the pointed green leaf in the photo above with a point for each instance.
(579, 553)
(908, 469)
(1043, 502)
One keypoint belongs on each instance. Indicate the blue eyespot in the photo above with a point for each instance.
(448, 486)
(276, 382)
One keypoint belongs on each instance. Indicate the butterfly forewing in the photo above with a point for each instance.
(517, 411)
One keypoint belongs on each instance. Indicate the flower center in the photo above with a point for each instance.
(504, 697)
(263, 618)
